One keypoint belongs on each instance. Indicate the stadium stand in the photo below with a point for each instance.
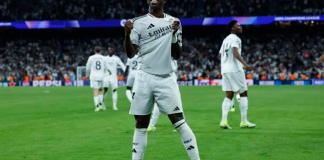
(103, 9)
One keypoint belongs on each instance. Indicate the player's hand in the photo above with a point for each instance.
(175, 25)
(128, 26)
(248, 68)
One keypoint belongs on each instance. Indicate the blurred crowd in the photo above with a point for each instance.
(273, 56)
(108, 9)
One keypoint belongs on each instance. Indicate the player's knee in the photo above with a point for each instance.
(142, 121)
(174, 118)
(129, 88)
(244, 94)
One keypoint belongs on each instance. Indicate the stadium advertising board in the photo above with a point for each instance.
(213, 82)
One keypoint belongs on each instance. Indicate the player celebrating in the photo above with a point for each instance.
(110, 80)
(232, 65)
(96, 68)
(154, 37)
(132, 66)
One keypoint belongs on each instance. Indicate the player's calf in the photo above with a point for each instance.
(187, 136)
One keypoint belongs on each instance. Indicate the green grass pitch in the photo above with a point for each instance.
(60, 124)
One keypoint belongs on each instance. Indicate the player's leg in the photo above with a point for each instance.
(105, 89)
(140, 136)
(227, 102)
(226, 106)
(168, 99)
(96, 99)
(154, 118)
(187, 136)
(141, 107)
(101, 98)
(129, 93)
(244, 110)
(241, 82)
(129, 86)
(115, 94)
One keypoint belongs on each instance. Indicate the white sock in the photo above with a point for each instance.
(100, 97)
(155, 116)
(129, 95)
(227, 104)
(114, 98)
(96, 100)
(139, 143)
(188, 139)
(244, 108)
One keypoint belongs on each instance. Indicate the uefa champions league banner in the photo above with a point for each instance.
(117, 23)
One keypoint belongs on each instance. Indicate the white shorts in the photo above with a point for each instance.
(131, 79)
(96, 84)
(235, 82)
(150, 88)
(110, 82)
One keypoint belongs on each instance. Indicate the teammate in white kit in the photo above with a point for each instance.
(156, 37)
(232, 65)
(132, 66)
(112, 62)
(96, 68)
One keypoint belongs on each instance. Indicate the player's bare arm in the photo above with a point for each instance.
(129, 48)
(239, 57)
(176, 49)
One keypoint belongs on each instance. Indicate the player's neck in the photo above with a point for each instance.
(157, 13)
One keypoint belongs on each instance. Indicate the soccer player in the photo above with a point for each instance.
(132, 66)
(154, 37)
(232, 65)
(96, 67)
(112, 62)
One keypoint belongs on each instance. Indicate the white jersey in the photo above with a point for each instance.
(153, 36)
(133, 64)
(112, 64)
(228, 61)
(96, 67)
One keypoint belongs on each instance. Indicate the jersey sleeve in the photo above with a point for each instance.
(128, 62)
(121, 64)
(235, 43)
(179, 35)
(135, 34)
(88, 65)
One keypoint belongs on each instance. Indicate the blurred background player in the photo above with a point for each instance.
(112, 62)
(132, 66)
(232, 65)
(153, 36)
(95, 68)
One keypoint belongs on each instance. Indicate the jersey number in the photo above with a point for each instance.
(98, 65)
(134, 65)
